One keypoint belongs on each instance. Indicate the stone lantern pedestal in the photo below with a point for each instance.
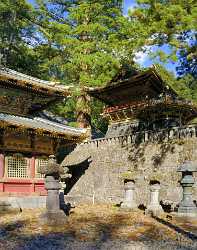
(52, 171)
(154, 206)
(129, 200)
(187, 206)
(53, 215)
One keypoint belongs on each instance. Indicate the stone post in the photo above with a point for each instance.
(129, 200)
(154, 205)
(187, 206)
(52, 172)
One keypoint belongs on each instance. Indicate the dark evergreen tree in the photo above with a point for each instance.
(188, 56)
(92, 40)
(18, 36)
(172, 23)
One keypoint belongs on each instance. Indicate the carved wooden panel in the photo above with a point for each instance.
(44, 144)
(20, 102)
(14, 140)
(22, 142)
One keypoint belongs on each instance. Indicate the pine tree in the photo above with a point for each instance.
(188, 56)
(172, 23)
(92, 40)
(18, 36)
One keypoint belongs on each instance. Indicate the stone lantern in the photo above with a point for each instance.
(52, 172)
(187, 206)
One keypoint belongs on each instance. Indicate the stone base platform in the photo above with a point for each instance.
(54, 218)
(21, 202)
(185, 215)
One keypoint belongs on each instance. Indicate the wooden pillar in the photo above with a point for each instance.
(2, 169)
(32, 173)
(2, 165)
(32, 167)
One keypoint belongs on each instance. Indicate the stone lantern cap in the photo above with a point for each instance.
(187, 166)
(129, 185)
(155, 187)
(52, 168)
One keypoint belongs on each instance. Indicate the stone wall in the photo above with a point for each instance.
(100, 167)
(24, 202)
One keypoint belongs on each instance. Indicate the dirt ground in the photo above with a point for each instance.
(96, 227)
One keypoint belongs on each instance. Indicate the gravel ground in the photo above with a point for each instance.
(54, 242)
(101, 227)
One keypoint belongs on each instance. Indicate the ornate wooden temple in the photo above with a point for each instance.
(142, 102)
(26, 138)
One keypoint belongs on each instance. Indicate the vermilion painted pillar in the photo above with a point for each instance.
(32, 167)
(2, 166)
(32, 172)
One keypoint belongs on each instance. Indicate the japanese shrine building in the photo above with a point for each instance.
(149, 135)
(142, 102)
(27, 137)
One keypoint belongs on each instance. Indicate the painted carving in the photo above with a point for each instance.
(19, 102)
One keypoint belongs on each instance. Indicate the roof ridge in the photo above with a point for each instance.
(19, 74)
(61, 125)
(6, 72)
(43, 124)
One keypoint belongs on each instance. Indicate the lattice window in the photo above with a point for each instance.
(17, 167)
(39, 163)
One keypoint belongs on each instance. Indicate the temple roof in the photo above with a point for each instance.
(137, 87)
(21, 80)
(41, 126)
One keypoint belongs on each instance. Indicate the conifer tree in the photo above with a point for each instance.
(18, 36)
(91, 41)
(172, 23)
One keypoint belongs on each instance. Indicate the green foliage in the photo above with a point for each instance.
(91, 41)
(167, 20)
(87, 43)
(17, 35)
(186, 86)
(172, 23)
(96, 119)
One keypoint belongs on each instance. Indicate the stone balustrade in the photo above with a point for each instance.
(189, 131)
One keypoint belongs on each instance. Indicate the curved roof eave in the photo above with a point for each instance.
(27, 81)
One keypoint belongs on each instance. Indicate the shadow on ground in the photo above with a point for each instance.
(178, 229)
(93, 228)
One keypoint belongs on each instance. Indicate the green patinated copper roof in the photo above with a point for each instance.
(41, 126)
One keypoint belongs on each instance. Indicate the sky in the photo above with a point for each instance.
(128, 4)
(142, 58)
